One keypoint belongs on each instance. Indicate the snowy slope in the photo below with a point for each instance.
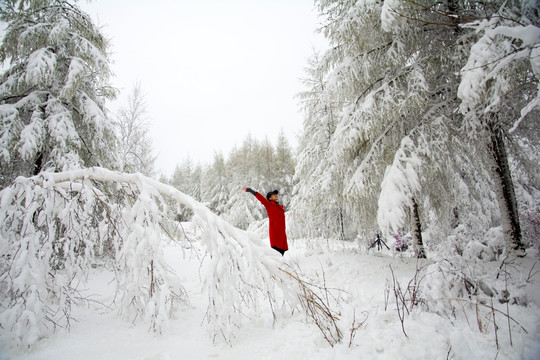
(365, 279)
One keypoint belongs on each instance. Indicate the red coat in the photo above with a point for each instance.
(276, 216)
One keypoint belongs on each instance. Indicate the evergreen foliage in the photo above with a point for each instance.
(53, 92)
(381, 126)
(256, 164)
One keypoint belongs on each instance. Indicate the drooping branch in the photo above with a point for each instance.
(63, 221)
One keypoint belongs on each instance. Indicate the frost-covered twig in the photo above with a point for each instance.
(478, 318)
(479, 304)
(449, 352)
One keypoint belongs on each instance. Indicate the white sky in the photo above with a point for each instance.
(212, 71)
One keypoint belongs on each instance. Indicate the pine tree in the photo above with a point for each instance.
(392, 76)
(187, 178)
(319, 188)
(246, 169)
(216, 185)
(284, 168)
(52, 95)
(499, 89)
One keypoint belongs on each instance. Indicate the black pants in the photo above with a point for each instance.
(282, 252)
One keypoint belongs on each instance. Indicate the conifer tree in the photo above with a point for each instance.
(216, 185)
(318, 189)
(391, 77)
(284, 164)
(499, 89)
(186, 178)
(53, 92)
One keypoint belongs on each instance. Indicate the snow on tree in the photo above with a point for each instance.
(257, 165)
(499, 89)
(52, 93)
(283, 168)
(399, 186)
(382, 86)
(187, 178)
(104, 213)
(392, 74)
(245, 170)
(56, 225)
(134, 145)
(319, 185)
(507, 43)
(215, 185)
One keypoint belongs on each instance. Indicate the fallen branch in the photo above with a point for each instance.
(315, 300)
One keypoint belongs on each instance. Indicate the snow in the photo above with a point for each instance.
(398, 188)
(389, 13)
(489, 58)
(32, 136)
(76, 73)
(8, 115)
(242, 270)
(99, 333)
(40, 67)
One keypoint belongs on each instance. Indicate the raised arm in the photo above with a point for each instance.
(249, 190)
(258, 196)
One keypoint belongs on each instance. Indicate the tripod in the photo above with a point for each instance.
(379, 242)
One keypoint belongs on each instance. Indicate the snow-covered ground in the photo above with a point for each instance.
(367, 293)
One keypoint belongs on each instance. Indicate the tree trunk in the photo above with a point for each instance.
(38, 163)
(341, 225)
(504, 187)
(417, 232)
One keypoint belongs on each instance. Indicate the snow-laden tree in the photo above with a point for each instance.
(283, 168)
(216, 190)
(120, 216)
(53, 91)
(263, 167)
(134, 144)
(385, 86)
(263, 160)
(392, 74)
(187, 178)
(318, 204)
(245, 170)
(499, 89)
(55, 226)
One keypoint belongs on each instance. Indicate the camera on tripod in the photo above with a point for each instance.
(379, 242)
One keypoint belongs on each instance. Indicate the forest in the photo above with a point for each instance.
(421, 128)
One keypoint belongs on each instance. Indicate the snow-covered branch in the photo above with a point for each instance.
(492, 61)
(398, 187)
(56, 225)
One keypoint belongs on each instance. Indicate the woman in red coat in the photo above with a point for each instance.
(276, 217)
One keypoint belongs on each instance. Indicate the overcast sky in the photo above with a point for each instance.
(213, 71)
